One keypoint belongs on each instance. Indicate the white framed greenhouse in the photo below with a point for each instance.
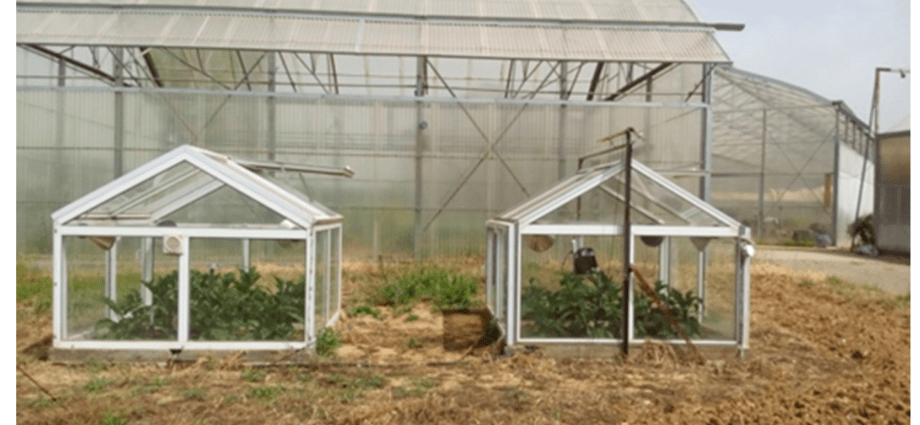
(699, 256)
(196, 251)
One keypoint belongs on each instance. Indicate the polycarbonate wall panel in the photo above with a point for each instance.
(792, 151)
(477, 158)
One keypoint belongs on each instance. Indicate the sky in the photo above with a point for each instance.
(828, 47)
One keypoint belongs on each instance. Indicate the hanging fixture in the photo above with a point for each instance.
(652, 241)
(700, 242)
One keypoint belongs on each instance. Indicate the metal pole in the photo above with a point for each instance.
(421, 68)
(763, 166)
(119, 136)
(836, 193)
(873, 118)
(560, 147)
(271, 136)
(873, 128)
(627, 242)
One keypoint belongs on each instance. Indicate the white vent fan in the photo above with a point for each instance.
(173, 244)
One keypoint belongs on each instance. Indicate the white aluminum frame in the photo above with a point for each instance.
(521, 221)
(224, 171)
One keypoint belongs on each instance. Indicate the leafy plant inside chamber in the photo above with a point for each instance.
(591, 306)
(228, 307)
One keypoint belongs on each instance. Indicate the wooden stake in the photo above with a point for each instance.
(36, 383)
(651, 293)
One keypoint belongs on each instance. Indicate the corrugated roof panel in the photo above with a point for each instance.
(393, 37)
(399, 7)
(611, 10)
(327, 5)
(371, 36)
(458, 39)
(133, 27)
(458, 8)
(507, 8)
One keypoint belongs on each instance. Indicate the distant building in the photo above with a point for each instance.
(892, 191)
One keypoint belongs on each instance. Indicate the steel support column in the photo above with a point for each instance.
(560, 144)
(420, 85)
(119, 137)
(836, 200)
(270, 142)
(763, 170)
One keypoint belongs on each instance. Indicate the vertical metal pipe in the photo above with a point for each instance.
(247, 255)
(421, 68)
(836, 200)
(119, 136)
(147, 246)
(763, 169)
(111, 278)
(59, 289)
(873, 119)
(627, 242)
(560, 146)
(271, 108)
(309, 331)
(706, 136)
(184, 300)
(60, 169)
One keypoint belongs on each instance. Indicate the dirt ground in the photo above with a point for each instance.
(822, 351)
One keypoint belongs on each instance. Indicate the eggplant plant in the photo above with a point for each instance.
(591, 306)
(228, 307)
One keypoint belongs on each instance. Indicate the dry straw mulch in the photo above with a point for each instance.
(821, 351)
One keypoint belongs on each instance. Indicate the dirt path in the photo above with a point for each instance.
(890, 274)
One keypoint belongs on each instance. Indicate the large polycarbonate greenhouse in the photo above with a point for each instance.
(787, 159)
(153, 262)
(451, 111)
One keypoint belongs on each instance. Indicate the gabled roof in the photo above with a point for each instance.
(654, 198)
(181, 177)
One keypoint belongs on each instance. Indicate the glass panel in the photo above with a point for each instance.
(155, 192)
(226, 207)
(320, 313)
(265, 303)
(138, 310)
(556, 302)
(682, 294)
(719, 291)
(497, 269)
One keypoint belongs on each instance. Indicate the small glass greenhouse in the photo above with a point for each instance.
(554, 264)
(195, 250)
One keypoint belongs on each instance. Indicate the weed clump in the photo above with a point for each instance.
(440, 287)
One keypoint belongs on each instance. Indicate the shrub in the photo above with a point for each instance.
(592, 306)
(365, 310)
(223, 307)
(434, 284)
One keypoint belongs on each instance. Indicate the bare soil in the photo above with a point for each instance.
(822, 351)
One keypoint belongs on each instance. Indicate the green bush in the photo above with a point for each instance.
(223, 308)
(592, 306)
(442, 288)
